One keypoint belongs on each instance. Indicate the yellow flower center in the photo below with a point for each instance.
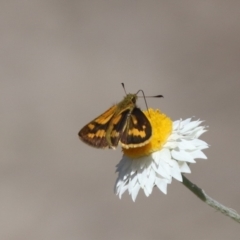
(161, 129)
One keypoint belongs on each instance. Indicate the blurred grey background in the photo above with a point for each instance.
(61, 65)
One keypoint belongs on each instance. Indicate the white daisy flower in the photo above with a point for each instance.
(172, 147)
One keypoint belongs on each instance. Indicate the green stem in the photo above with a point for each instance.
(211, 202)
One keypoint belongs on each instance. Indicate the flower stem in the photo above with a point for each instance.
(211, 202)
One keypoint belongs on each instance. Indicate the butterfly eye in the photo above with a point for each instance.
(134, 100)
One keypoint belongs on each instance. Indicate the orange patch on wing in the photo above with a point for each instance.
(100, 133)
(105, 117)
(114, 133)
(91, 126)
(136, 132)
(91, 135)
(134, 119)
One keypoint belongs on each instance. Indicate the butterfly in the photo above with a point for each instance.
(123, 122)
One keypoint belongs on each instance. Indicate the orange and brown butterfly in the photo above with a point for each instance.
(123, 122)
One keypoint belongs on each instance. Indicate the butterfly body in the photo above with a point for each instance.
(123, 122)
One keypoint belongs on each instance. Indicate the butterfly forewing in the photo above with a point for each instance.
(94, 133)
(119, 124)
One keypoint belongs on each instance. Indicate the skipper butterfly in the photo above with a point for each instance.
(123, 122)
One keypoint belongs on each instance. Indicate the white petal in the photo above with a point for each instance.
(175, 171)
(177, 175)
(122, 190)
(190, 126)
(198, 142)
(173, 136)
(184, 168)
(182, 156)
(162, 185)
(164, 154)
(134, 192)
(198, 154)
(185, 122)
(176, 124)
(150, 183)
(171, 145)
(133, 181)
(186, 144)
(164, 170)
(200, 132)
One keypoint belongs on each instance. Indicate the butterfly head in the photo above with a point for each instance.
(128, 102)
(131, 98)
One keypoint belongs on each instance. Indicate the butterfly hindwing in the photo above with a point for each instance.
(138, 130)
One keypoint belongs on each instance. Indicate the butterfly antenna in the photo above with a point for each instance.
(158, 96)
(124, 88)
(144, 99)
